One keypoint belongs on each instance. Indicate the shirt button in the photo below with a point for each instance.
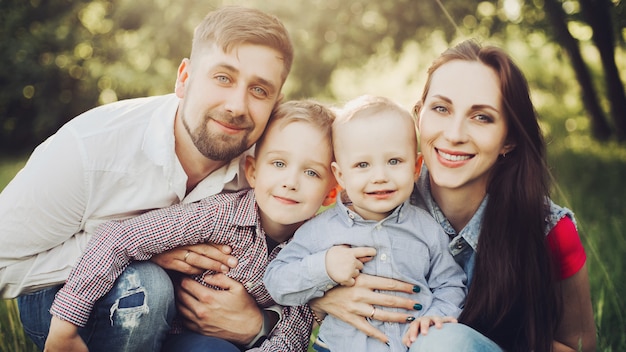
(383, 257)
(328, 287)
(459, 245)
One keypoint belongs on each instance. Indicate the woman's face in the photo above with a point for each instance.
(462, 126)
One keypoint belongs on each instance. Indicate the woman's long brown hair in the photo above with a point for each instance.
(513, 298)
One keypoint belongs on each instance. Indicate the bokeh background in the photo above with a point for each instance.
(62, 57)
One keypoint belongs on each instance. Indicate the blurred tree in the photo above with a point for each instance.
(40, 74)
(62, 57)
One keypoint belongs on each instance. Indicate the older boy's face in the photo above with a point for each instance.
(376, 162)
(228, 97)
(292, 174)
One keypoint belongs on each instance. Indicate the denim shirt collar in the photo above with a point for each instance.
(469, 233)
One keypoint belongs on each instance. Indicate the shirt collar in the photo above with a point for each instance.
(352, 217)
(470, 232)
(159, 146)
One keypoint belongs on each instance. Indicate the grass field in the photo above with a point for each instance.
(590, 178)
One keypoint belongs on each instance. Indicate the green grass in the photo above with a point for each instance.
(12, 337)
(590, 180)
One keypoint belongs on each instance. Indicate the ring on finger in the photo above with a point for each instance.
(186, 255)
(373, 312)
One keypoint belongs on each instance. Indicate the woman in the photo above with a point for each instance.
(485, 180)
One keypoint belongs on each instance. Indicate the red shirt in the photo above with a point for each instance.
(566, 247)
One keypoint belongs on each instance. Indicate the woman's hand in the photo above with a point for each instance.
(195, 259)
(356, 303)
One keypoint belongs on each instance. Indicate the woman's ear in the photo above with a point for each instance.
(507, 148)
(250, 168)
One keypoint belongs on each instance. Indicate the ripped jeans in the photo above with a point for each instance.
(134, 316)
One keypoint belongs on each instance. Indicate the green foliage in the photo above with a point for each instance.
(62, 57)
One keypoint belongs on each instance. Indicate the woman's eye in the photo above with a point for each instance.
(483, 118)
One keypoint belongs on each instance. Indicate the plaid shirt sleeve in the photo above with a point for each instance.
(292, 332)
(116, 243)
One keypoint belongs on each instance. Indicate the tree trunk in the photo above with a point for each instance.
(599, 126)
(597, 13)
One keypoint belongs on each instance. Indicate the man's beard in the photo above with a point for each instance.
(216, 146)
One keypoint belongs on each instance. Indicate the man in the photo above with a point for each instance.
(122, 159)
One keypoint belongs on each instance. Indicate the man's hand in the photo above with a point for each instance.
(344, 264)
(63, 336)
(197, 258)
(230, 313)
(354, 304)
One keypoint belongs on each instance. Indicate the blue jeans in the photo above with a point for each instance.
(193, 342)
(134, 316)
(453, 337)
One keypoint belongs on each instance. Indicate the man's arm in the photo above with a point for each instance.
(40, 209)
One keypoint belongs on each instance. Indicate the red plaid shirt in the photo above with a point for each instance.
(229, 218)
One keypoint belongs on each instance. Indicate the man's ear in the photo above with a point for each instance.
(331, 197)
(250, 168)
(181, 78)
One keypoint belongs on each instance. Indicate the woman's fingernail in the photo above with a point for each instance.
(416, 289)
(417, 306)
(410, 319)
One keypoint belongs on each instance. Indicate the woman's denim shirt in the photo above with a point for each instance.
(463, 244)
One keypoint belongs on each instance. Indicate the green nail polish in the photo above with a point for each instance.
(417, 306)
(410, 319)
(416, 289)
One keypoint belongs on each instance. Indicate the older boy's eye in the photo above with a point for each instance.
(394, 162)
(362, 165)
(279, 164)
(222, 79)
